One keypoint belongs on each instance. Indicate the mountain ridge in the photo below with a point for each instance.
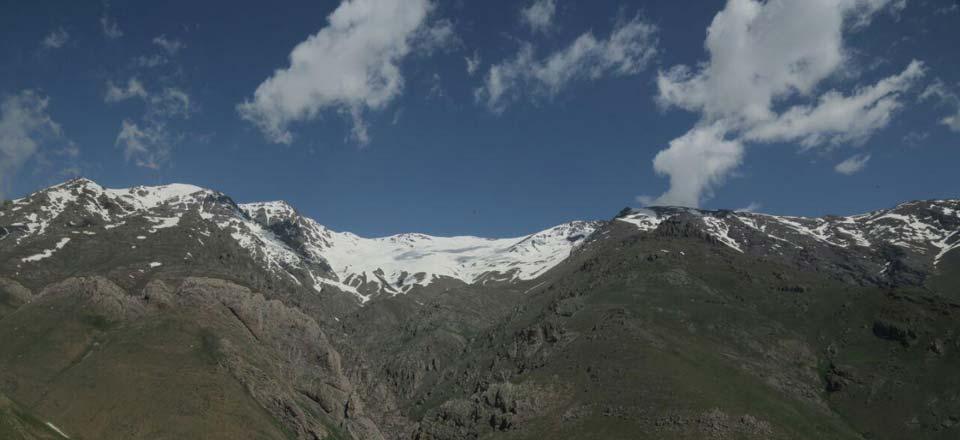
(298, 247)
(659, 322)
(282, 238)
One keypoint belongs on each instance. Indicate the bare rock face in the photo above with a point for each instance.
(306, 363)
(99, 294)
(158, 295)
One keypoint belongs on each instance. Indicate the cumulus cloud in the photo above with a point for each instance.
(853, 165)
(170, 45)
(627, 51)
(25, 128)
(148, 142)
(760, 85)
(695, 163)
(351, 66)
(837, 119)
(539, 15)
(56, 39)
(939, 91)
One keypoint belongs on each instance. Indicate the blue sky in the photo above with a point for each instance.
(574, 110)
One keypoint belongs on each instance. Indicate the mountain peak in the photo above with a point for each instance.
(267, 212)
(294, 246)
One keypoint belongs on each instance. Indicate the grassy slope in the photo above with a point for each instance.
(18, 424)
(100, 379)
(653, 344)
(622, 341)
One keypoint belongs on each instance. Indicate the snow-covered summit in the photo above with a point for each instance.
(270, 211)
(921, 227)
(401, 261)
(36, 229)
(149, 197)
(298, 248)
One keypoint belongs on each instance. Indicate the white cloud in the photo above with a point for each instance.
(915, 138)
(148, 143)
(172, 102)
(110, 28)
(25, 128)
(837, 119)
(170, 45)
(473, 63)
(539, 15)
(133, 89)
(952, 122)
(695, 163)
(439, 35)
(627, 51)
(169, 102)
(56, 39)
(764, 55)
(752, 207)
(761, 53)
(352, 66)
(853, 165)
(147, 146)
(939, 91)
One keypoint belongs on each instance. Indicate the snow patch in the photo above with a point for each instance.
(58, 431)
(145, 198)
(945, 247)
(163, 222)
(720, 230)
(46, 253)
(643, 219)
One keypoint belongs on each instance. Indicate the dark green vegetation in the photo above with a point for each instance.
(632, 339)
(665, 333)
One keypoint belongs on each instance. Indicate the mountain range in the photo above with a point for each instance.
(174, 312)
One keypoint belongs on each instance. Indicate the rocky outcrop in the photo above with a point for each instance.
(306, 372)
(99, 295)
(497, 408)
(12, 296)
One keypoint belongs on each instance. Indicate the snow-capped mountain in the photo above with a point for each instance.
(877, 247)
(398, 262)
(910, 236)
(282, 240)
(926, 227)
